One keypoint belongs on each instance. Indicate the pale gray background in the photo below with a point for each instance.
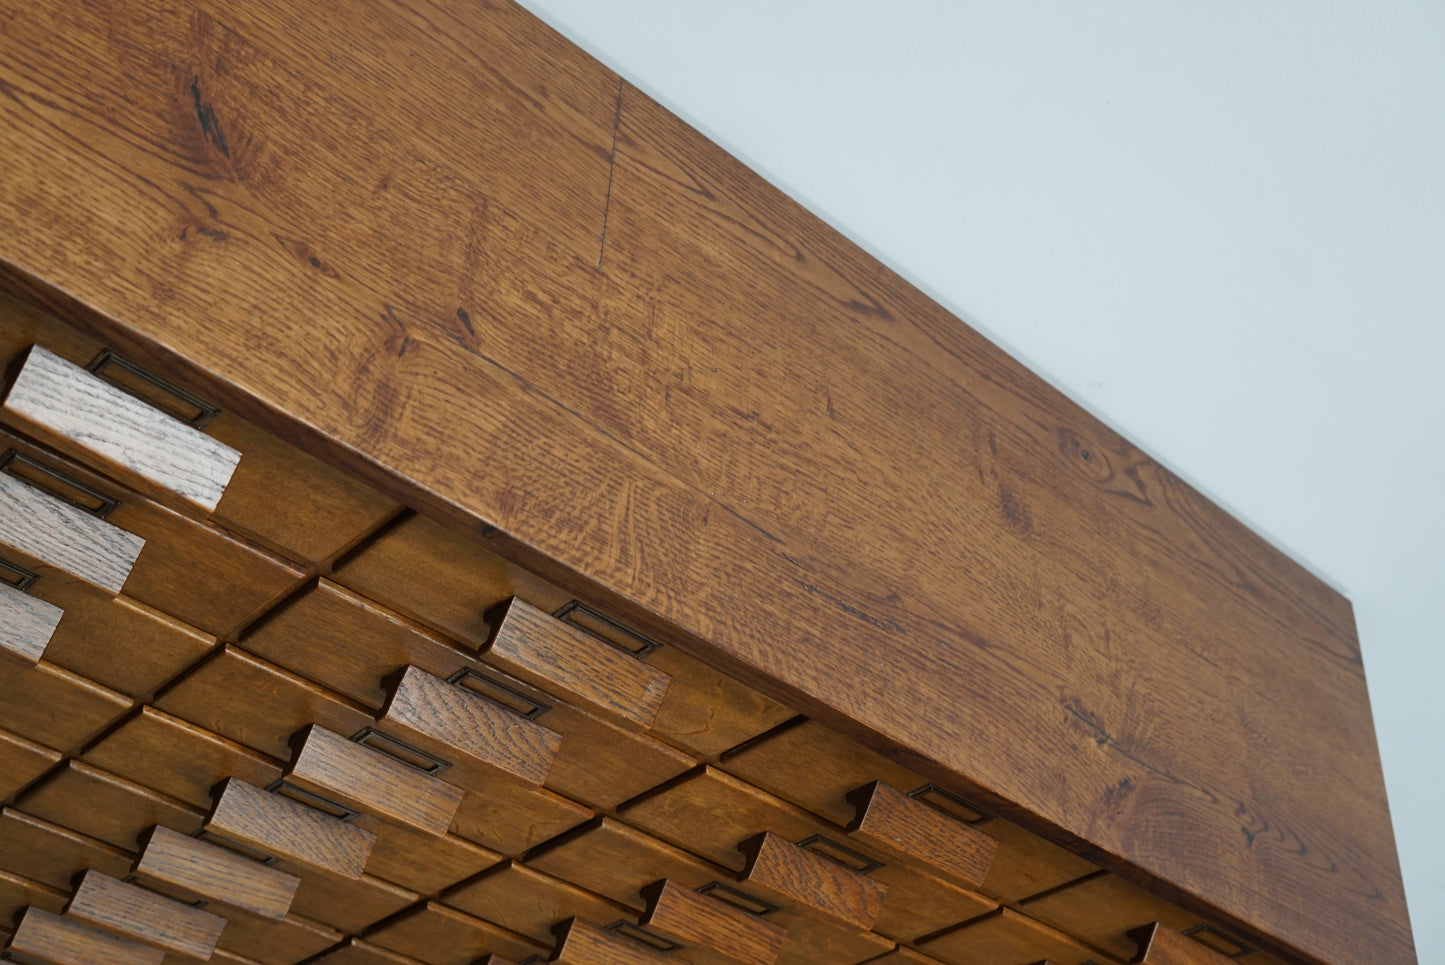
(1218, 226)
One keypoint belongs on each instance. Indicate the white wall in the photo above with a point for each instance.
(1221, 227)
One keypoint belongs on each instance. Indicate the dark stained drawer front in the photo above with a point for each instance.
(1007, 936)
(106, 807)
(50, 705)
(1103, 909)
(53, 855)
(17, 892)
(530, 902)
(22, 761)
(438, 935)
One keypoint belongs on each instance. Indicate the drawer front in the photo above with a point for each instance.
(39, 531)
(1007, 936)
(187, 868)
(132, 912)
(348, 904)
(61, 940)
(284, 942)
(53, 855)
(706, 712)
(1103, 909)
(27, 624)
(279, 828)
(423, 863)
(17, 892)
(21, 762)
(530, 902)
(178, 759)
(257, 704)
(510, 817)
(47, 704)
(105, 807)
(439, 935)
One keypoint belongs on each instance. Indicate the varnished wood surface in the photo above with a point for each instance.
(26, 623)
(208, 870)
(1158, 944)
(680, 913)
(39, 526)
(580, 942)
(82, 414)
(54, 855)
(560, 659)
(819, 479)
(22, 761)
(894, 823)
(783, 871)
(280, 827)
(59, 940)
(133, 912)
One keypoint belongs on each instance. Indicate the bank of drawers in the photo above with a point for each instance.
(358, 737)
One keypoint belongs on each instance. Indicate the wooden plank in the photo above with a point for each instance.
(890, 821)
(36, 524)
(697, 519)
(84, 415)
(779, 869)
(355, 776)
(426, 709)
(1158, 944)
(174, 860)
(547, 653)
(60, 941)
(130, 911)
(683, 915)
(280, 827)
(26, 623)
(583, 943)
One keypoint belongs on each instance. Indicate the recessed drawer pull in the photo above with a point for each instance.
(58, 484)
(359, 777)
(133, 912)
(26, 623)
(434, 715)
(797, 876)
(497, 692)
(151, 388)
(84, 415)
(696, 919)
(840, 854)
(171, 860)
(541, 650)
(413, 757)
(47, 937)
(898, 825)
(277, 826)
(1162, 945)
(583, 943)
(603, 626)
(36, 524)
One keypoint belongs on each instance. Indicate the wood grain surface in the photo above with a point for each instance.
(529, 902)
(86, 416)
(22, 761)
(890, 821)
(355, 776)
(717, 417)
(175, 860)
(106, 807)
(53, 855)
(283, 828)
(131, 911)
(1007, 936)
(439, 935)
(49, 704)
(781, 870)
(1158, 944)
(51, 938)
(462, 724)
(681, 914)
(562, 660)
(355, 951)
(36, 524)
(26, 623)
(580, 942)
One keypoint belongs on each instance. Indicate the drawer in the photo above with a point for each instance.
(186, 868)
(818, 941)
(919, 904)
(439, 935)
(1101, 910)
(178, 759)
(61, 940)
(581, 942)
(1158, 944)
(27, 624)
(134, 913)
(290, 502)
(21, 762)
(531, 902)
(53, 855)
(423, 863)
(91, 418)
(283, 831)
(47, 704)
(511, 817)
(794, 877)
(1006, 937)
(448, 581)
(41, 534)
(710, 931)
(270, 942)
(257, 704)
(105, 807)
(355, 951)
(346, 904)
(784, 763)
(18, 891)
(196, 572)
